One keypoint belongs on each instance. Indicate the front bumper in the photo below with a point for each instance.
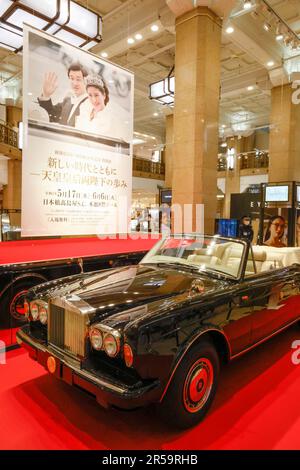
(108, 392)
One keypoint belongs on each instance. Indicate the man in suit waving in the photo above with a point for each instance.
(66, 111)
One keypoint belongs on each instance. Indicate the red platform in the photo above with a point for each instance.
(41, 250)
(257, 407)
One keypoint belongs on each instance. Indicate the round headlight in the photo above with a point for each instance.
(34, 310)
(111, 345)
(43, 314)
(96, 338)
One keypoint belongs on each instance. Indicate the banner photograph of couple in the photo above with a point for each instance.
(70, 88)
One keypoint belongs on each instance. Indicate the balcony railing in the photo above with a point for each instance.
(8, 136)
(252, 160)
(247, 161)
(155, 169)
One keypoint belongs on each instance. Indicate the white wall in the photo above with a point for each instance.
(2, 113)
(147, 184)
(245, 181)
(221, 184)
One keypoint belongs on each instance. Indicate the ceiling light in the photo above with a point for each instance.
(163, 91)
(229, 29)
(271, 63)
(155, 114)
(154, 28)
(266, 26)
(247, 4)
(250, 88)
(279, 37)
(64, 19)
(138, 36)
(224, 144)
(104, 54)
(130, 40)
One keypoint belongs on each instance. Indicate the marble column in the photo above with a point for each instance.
(169, 150)
(196, 112)
(284, 162)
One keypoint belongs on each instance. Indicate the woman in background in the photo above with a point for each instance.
(275, 232)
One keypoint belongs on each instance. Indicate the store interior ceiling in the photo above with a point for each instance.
(252, 59)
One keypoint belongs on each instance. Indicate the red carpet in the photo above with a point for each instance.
(8, 336)
(40, 250)
(257, 407)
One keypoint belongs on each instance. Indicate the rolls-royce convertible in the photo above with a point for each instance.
(158, 332)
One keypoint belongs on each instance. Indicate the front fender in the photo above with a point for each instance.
(211, 332)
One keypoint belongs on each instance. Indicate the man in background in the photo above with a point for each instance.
(66, 111)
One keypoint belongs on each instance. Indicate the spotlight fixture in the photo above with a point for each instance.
(130, 40)
(64, 19)
(271, 63)
(250, 88)
(104, 54)
(154, 28)
(266, 26)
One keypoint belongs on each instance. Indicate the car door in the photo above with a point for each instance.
(274, 300)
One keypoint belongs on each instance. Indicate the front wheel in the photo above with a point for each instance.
(193, 387)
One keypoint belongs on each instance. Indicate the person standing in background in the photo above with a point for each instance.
(245, 229)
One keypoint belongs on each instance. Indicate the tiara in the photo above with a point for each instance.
(95, 80)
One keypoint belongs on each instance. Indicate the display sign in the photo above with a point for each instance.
(78, 130)
(277, 193)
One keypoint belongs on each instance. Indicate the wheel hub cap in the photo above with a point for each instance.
(197, 385)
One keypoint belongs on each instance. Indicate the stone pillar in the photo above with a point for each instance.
(196, 112)
(232, 178)
(13, 115)
(284, 136)
(169, 150)
(12, 191)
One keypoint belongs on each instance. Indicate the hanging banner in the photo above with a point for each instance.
(77, 151)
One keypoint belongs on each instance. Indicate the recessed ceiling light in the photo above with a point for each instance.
(155, 114)
(279, 37)
(247, 4)
(267, 26)
(223, 126)
(138, 36)
(130, 40)
(271, 63)
(250, 88)
(154, 28)
(104, 54)
(229, 29)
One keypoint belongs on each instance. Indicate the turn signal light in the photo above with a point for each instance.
(128, 355)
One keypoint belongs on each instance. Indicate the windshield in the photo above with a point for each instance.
(205, 253)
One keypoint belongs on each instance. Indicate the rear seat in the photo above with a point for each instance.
(278, 257)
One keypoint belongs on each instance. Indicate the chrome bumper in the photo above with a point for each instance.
(107, 393)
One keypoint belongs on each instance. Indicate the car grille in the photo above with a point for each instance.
(67, 330)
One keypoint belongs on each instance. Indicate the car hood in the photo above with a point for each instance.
(124, 289)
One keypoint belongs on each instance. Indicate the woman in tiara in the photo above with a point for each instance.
(98, 118)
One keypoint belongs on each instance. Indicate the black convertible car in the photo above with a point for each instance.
(160, 330)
